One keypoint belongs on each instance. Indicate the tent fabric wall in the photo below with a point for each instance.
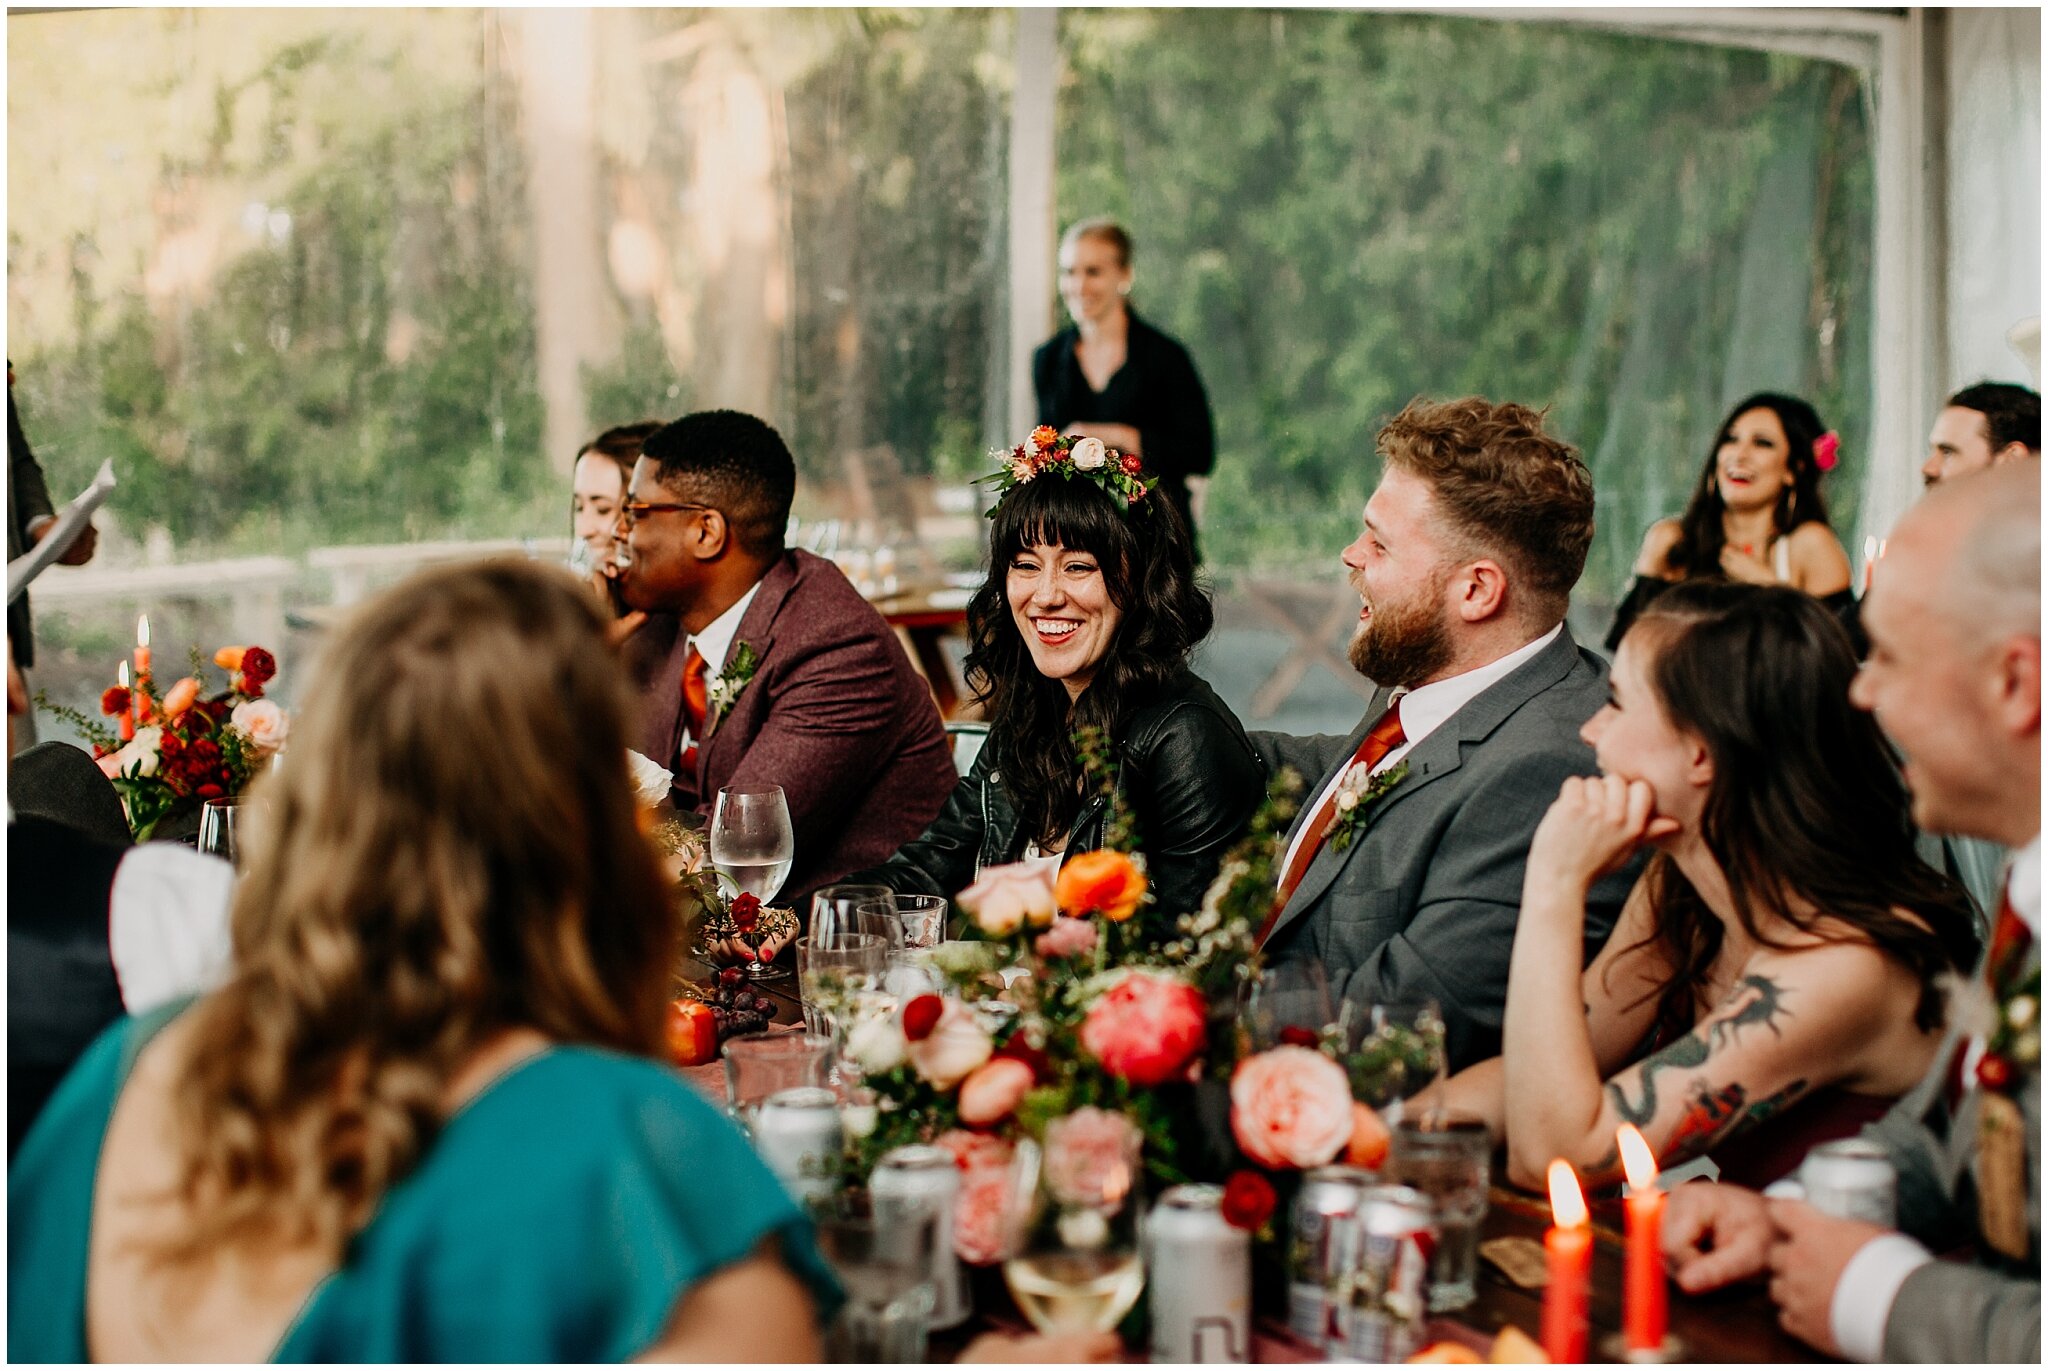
(1993, 200)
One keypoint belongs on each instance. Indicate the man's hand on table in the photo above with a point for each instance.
(1041, 1348)
(1715, 1235)
(1807, 1257)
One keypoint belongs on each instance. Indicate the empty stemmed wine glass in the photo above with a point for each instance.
(754, 844)
(1289, 1001)
(1397, 1059)
(218, 836)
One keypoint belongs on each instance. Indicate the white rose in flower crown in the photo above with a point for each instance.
(1008, 897)
(143, 748)
(1089, 454)
(262, 722)
(956, 1045)
(650, 781)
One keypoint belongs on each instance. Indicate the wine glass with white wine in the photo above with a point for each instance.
(1074, 1264)
(753, 843)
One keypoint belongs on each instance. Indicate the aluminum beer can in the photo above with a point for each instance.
(797, 1132)
(1852, 1179)
(930, 1173)
(1198, 1274)
(1318, 1249)
(1384, 1308)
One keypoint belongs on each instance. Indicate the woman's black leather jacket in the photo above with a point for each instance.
(1186, 771)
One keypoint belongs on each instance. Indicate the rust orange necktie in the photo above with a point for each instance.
(1383, 737)
(696, 701)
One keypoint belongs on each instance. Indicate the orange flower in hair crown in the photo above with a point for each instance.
(1045, 453)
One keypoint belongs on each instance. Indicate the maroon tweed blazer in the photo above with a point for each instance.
(835, 715)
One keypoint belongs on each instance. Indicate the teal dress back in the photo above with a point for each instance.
(559, 1216)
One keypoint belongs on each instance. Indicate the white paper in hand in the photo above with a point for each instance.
(70, 523)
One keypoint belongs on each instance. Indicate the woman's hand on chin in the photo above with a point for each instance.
(1593, 826)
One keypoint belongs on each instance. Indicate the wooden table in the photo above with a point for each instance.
(924, 619)
(1735, 1325)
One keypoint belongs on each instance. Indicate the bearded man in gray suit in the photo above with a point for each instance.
(1954, 677)
(1402, 875)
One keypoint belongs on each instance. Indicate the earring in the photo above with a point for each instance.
(1123, 290)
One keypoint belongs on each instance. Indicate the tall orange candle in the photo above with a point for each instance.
(127, 715)
(1568, 1249)
(1643, 1304)
(142, 648)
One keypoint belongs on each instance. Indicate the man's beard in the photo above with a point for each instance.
(1403, 644)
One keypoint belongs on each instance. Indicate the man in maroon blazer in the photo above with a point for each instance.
(762, 665)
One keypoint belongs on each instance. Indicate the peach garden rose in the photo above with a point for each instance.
(1291, 1107)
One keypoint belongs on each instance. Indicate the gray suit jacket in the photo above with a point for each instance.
(1955, 1311)
(1424, 902)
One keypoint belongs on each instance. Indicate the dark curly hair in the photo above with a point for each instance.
(1807, 805)
(1701, 534)
(1148, 567)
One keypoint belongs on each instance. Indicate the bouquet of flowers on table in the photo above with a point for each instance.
(1084, 1010)
(168, 753)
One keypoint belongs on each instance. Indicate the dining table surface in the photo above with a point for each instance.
(1738, 1324)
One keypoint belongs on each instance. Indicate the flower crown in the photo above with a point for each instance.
(1046, 453)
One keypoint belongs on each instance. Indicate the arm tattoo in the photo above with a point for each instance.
(1713, 1117)
(1684, 1055)
(1765, 1006)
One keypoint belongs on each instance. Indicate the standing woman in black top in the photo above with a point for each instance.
(1110, 375)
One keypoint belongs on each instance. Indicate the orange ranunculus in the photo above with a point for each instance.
(229, 658)
(179, 697)
(1103, 882)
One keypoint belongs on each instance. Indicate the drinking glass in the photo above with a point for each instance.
(1397, 1061)
(1448, 1159)
(758, 1065)
(909, 975)
(1291, 995)
(884, 1259)
(751, 838)
(218, 829)
(846, 908)
(920, 920)
(839, 974)
(1074, 1262)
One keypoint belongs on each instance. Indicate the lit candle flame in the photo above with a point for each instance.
(1567, 1201)
(124, 675)
(1638, 1162)
(142, 631)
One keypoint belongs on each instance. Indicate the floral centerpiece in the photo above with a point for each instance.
(168, 753)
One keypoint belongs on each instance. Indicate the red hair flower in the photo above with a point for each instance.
(1248, 1200)
(1827, 450)
(1132, 463)
(114, 700)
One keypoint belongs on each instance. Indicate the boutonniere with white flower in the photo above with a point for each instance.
(740, 670)
(1357, 793)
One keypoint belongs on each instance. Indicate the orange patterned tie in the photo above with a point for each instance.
(1382, 738)
(696, 700)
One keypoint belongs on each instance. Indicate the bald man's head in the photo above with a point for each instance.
(1954, 673)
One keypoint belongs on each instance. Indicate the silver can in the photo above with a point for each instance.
(797, 1132)
(1852, 1179)
(1317, 1249)
(1198, 1273)
(1384, 1308)
(930, 1173)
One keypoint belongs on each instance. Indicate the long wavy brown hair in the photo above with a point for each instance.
(1807, 813)
(451, 849)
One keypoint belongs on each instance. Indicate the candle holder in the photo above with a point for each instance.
(1615, 1345)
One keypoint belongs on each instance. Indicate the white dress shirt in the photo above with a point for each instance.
(713, 643)
(1424, 710)
(1862, 1305)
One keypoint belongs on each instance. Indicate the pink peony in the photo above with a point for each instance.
(1146, 1028)
(993, 1091)
(1067, 938)
(956, 1045)
(263, 723)
(1008, 897)
(1291, 1107)
(1091, 1156)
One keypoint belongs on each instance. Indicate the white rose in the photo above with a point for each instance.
(1357, 778)
(877, 1045)
(1089, 454)
(1347, 800)
(143, 748)
(262, 722)
(955, 1046)
(1006, 897)
(650, 781)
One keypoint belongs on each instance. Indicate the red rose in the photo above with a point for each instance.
(1994, 1072)
(114, 701)
(1132, 464)
(1294, 1035)
(1248, 1200)
(258, 666)
(746, 911)
(204, 751)
(921, 1016)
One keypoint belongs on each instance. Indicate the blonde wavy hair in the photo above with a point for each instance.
(451, 849)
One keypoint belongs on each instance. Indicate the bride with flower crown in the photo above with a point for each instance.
(1086, 621)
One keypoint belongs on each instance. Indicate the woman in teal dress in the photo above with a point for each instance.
(423, 1121)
